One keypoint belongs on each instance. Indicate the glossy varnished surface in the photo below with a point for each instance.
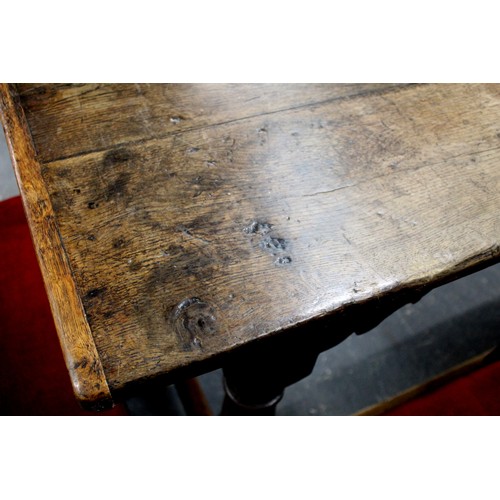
(198, 218)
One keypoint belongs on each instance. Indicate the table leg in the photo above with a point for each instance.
(192, 398)
(255, 377)
(255, 380)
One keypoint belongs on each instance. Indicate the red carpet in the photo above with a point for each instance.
(33, 376)
(477, 393)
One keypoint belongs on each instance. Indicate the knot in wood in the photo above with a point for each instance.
(194, 321)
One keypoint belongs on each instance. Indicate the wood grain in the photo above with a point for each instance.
(67, 120)
(251, 215)
(80, 354)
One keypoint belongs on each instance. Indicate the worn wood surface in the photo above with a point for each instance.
(114, 115)
(197, 219)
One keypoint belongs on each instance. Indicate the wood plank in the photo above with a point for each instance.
(187, 245)
(67, 120)
(80, 354)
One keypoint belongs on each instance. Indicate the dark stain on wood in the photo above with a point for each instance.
(119, 243)
(95, 292)
(116, 157)
(135, 266)
(82, 363)
(118, 187)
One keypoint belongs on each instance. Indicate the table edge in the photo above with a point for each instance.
(79, 350)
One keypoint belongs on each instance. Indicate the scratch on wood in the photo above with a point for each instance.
(329, 190)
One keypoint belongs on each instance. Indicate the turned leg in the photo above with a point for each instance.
(255, 380)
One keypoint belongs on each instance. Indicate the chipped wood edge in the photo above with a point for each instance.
(80, 353)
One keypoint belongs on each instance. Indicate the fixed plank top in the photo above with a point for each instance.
(175, 223)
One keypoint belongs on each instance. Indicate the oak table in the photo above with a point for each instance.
(180, 228)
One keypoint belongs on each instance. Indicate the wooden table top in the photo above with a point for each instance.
(175, 223)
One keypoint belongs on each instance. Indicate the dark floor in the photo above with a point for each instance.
(447, 327)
